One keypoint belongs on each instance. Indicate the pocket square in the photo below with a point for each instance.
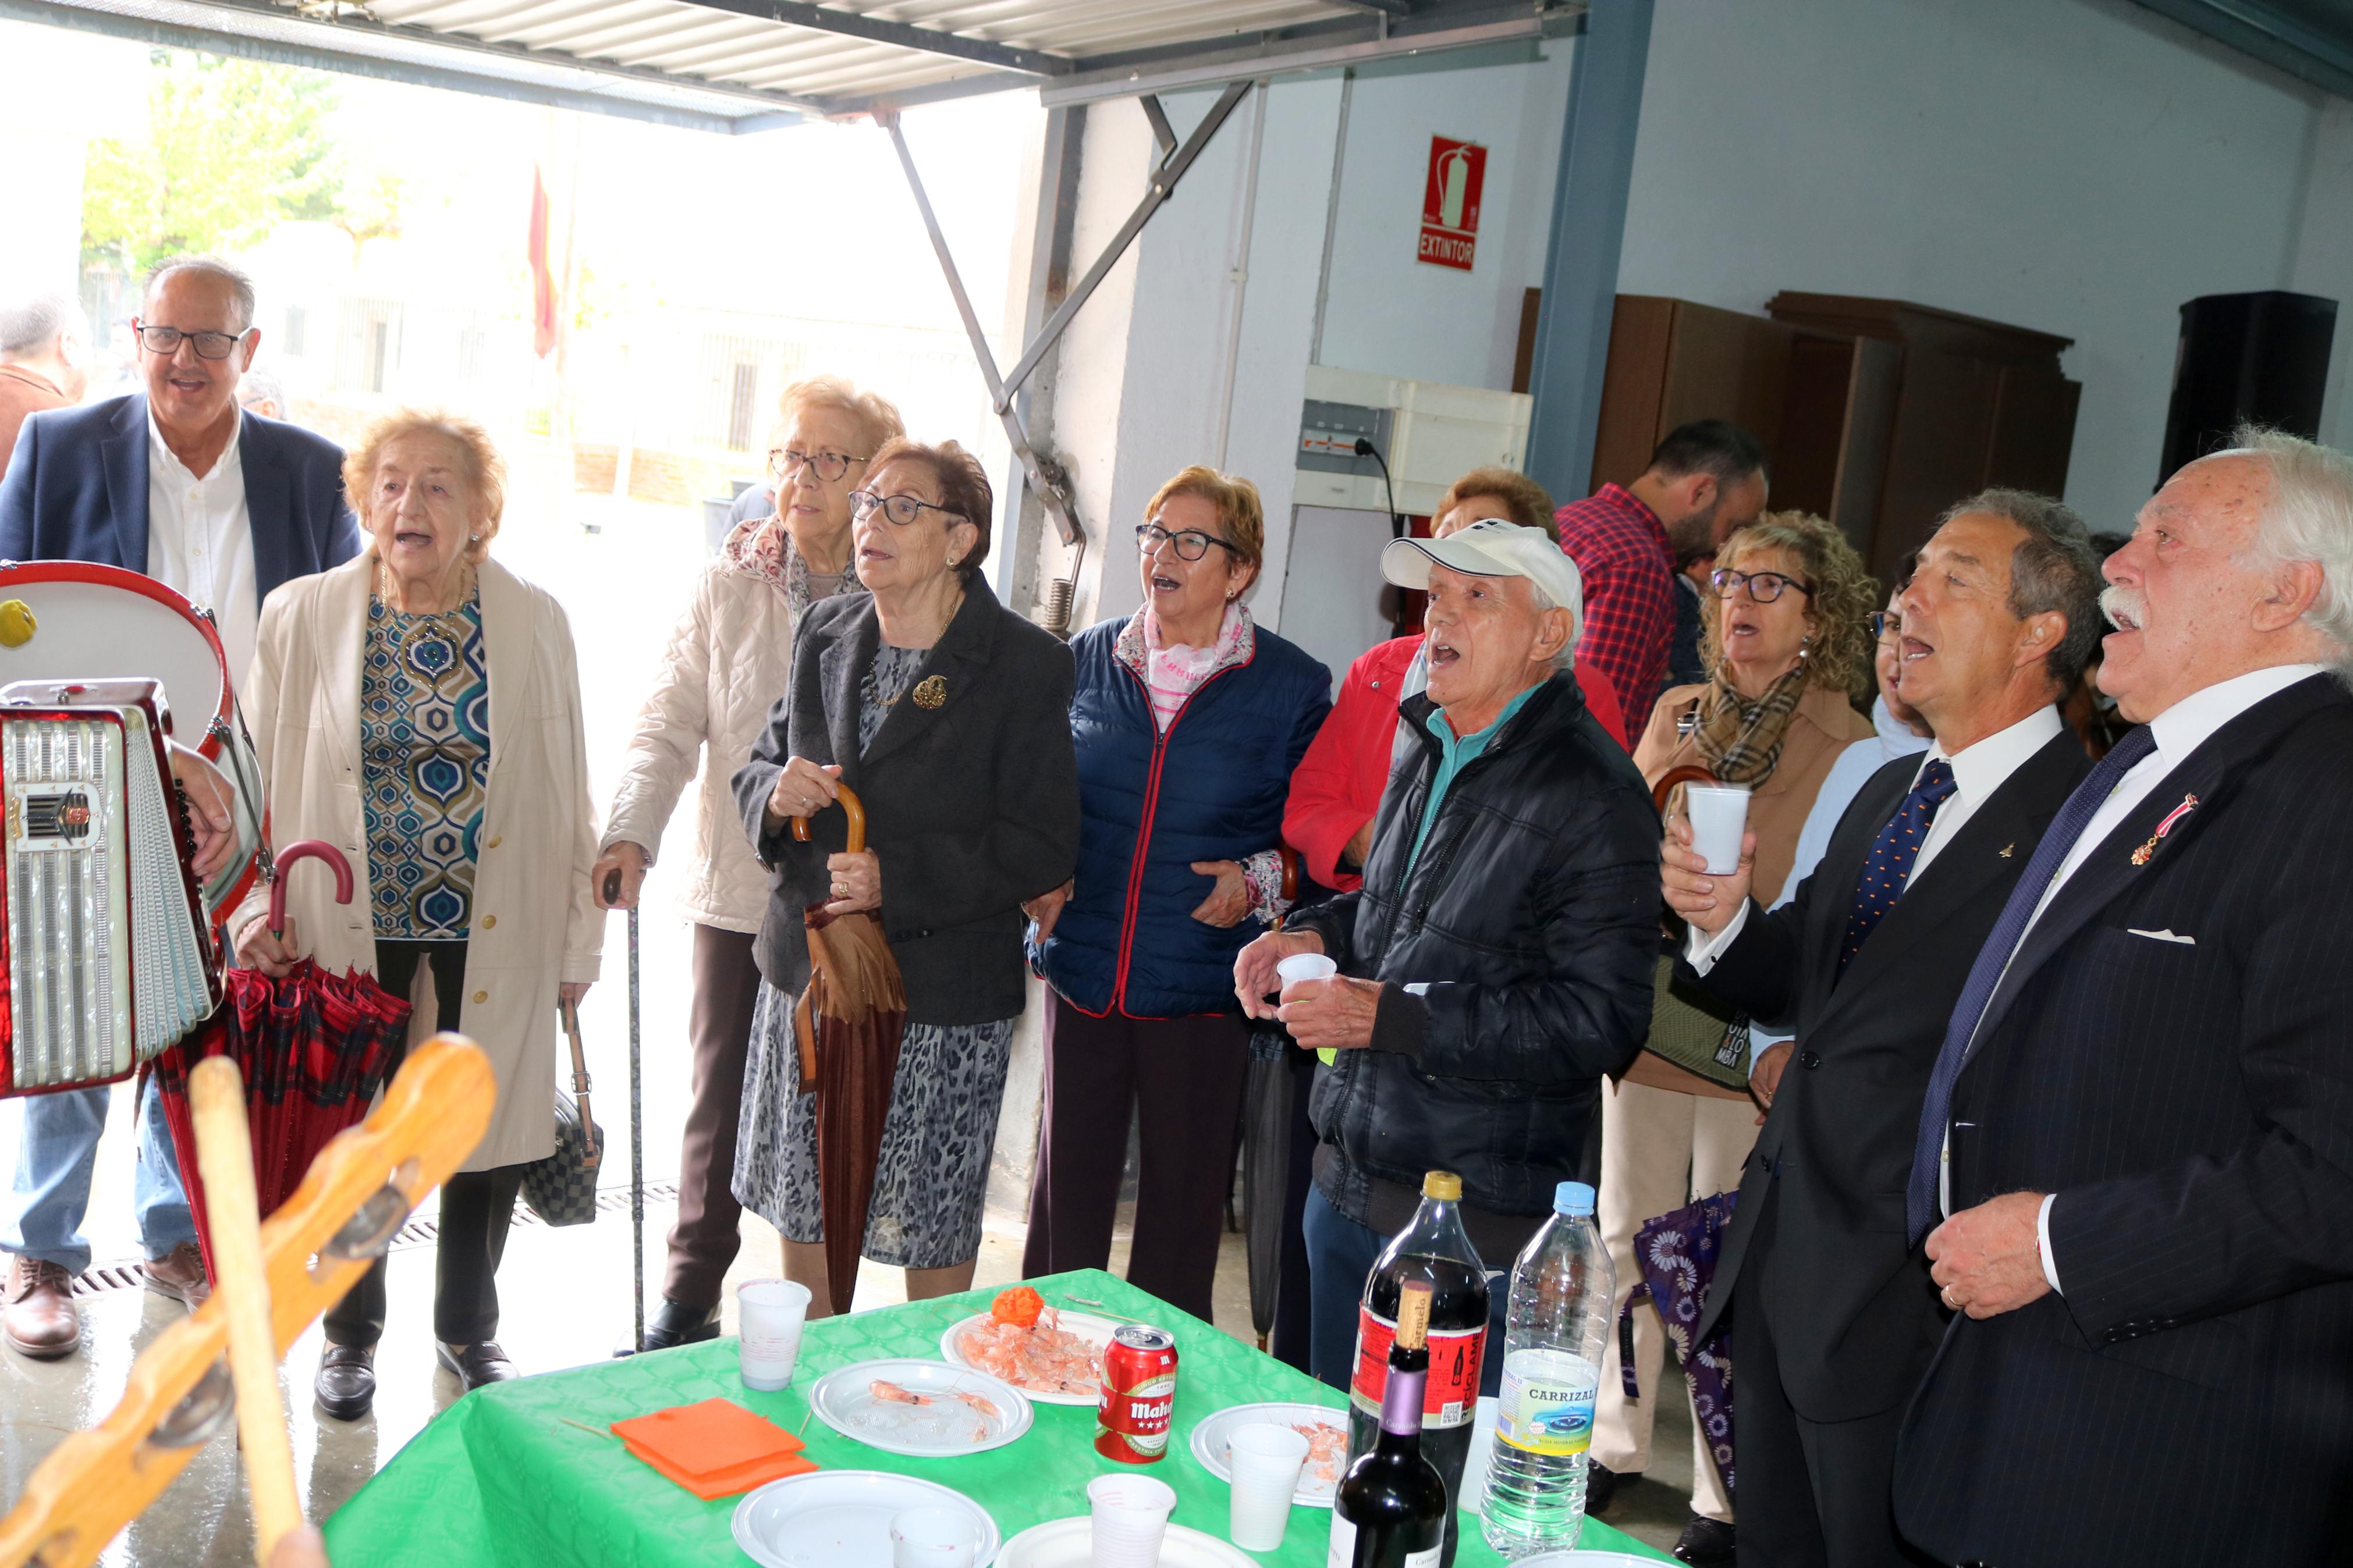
(2161, 936)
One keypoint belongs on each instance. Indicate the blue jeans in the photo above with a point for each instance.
(1340, 1256)
(42, 1215)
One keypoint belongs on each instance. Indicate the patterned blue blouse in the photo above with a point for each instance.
(424, 762)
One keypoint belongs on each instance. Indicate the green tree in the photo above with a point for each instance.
(231, 147)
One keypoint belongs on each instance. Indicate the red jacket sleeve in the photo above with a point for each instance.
(1601, 698)
(1337, 788)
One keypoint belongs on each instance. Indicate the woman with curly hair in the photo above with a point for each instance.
(1787, 644)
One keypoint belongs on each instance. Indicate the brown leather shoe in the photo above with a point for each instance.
(180, 1275)
(40, 1320)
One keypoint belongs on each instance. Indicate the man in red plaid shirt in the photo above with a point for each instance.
(1706, 478)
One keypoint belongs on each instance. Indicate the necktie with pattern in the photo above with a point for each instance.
(1889, 865)
(1993, 960)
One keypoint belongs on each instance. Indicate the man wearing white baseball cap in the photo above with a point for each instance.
(1496, 963)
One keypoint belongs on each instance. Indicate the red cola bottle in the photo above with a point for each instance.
(1437, 1251)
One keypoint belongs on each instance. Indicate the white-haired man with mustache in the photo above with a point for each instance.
(2135, 1167)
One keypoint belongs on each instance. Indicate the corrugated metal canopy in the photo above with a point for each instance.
(737, 65)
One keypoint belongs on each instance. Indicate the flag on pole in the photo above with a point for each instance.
(542, 282)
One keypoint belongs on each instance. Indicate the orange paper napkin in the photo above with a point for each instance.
(715, 1448)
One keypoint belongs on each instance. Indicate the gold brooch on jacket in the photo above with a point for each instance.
(930, 692)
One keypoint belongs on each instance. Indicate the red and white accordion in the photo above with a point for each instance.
(110, 952)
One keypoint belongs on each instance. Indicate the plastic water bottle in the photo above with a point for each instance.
(1558, 1322)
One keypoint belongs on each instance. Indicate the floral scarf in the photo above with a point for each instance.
(762, 547)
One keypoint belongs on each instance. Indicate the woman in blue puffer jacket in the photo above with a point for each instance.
(1188, 720)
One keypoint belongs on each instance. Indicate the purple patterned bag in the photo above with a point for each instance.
(1676, 1254)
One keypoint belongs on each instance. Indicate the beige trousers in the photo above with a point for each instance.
(1660, 1150)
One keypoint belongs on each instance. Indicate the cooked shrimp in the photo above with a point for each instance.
(891, 1393)
(1327, 1450)
(984, 1405)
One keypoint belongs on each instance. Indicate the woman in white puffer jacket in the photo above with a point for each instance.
(727, 663)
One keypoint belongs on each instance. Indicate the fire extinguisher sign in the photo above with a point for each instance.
(1450, 203)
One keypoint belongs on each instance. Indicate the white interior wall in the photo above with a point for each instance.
(2079, 166)
(1156, 410)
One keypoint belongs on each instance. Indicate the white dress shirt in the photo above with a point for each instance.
(2179, 730)
(1978, 770)
(200, 541)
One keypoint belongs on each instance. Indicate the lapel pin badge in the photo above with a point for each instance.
(2007, 849)
(930, 692)
(2142, 856)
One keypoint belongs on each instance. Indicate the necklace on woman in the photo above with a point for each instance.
(384, 589)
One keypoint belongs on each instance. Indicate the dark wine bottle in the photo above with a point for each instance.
(1390, 1509)
(1433, 1250)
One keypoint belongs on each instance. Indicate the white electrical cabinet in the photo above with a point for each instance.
(1429, 433)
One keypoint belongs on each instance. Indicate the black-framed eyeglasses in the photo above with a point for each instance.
(166, 341)
(1764, 587)
(1191, 542)
(1885, 623)
(829, 465)
(901, 509)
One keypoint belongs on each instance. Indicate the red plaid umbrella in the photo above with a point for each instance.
(314, 1048)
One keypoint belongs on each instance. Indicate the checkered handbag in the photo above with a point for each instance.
(562, 1188)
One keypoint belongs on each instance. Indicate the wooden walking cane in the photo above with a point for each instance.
(357, 1195)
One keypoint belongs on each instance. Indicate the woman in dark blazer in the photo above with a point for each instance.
(948, 715)
(1190, 720)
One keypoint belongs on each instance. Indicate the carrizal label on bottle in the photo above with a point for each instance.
(1451, 1398)
(1343, 1553)
(1545, 1402)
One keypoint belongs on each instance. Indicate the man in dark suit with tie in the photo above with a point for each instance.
(2141, 1121)
(1833, 1317)
(176, 482)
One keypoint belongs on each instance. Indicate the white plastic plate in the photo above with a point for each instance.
(1215, 1433)
(841, 1519)
(947, 1411)
(1070, 1543)
(1096, 1330)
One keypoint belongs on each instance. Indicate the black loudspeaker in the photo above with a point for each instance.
(2259, 358)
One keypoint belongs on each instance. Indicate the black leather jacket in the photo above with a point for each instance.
(1533, 915)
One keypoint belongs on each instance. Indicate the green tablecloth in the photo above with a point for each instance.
(501, 1478)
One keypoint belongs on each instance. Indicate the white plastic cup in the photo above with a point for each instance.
(1265, 1459)
(1130, 1520)
(932, 1538)
(770, 1314)
(1719, 815)
(1302, 966)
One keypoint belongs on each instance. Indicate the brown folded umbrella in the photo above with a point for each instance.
(848, 1025)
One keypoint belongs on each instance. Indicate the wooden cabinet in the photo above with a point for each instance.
(1878, 414)
(1967, 404)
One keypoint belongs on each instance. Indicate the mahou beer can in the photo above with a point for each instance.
(1139, 1392)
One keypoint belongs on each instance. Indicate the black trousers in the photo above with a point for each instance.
(1813, 1494)
(1183, 1077)
(476, 1205)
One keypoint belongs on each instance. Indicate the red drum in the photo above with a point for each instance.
(79, 620)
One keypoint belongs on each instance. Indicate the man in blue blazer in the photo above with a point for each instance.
(177, 482)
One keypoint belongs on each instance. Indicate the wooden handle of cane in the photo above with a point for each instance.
(92, 1484)
(224, 1156)
(1674, 778)
(852, 808)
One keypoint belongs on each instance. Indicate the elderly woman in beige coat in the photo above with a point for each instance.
(419, 708)
(729, 660)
